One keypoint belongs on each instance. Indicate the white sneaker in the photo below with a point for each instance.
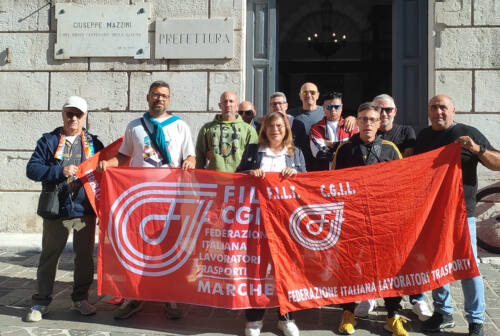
(365, 307)
(421, 309)
(253, 328)
(36, 313)
(288, 327)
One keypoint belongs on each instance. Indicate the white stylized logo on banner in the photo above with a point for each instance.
(317, 226)
(185, 207)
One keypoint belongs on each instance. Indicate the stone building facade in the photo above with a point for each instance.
(464, 62)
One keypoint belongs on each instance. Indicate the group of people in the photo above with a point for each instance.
(311, 137)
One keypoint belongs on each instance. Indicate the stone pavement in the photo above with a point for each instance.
(17, 282)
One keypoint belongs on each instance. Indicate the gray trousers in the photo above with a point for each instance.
(55, 236)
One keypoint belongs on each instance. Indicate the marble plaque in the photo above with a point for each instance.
(194, 39)
(102, 31)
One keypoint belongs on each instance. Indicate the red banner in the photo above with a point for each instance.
(184, 236)
(197, 236)
(390, 229)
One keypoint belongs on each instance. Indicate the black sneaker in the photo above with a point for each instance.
(476, 329)
(437, 322)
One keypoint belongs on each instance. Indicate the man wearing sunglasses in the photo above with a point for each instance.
(305, 117)
(54, 163)
(403, 136)
(326, 135)
(247, 111)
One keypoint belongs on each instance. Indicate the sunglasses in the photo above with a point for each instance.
(70, 115)
(387, 110)
(306, 92)
(247, 112)
(331, 107)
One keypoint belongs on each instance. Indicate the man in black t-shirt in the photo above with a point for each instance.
(403, 136)
(475, 149)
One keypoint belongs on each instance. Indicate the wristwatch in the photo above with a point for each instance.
(482, 149)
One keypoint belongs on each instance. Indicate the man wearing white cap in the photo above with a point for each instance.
(54, 163)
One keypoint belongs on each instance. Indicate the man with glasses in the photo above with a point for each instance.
(475, 148)
(278, 103)
(221, 142)
(307, 115)
(326, 135)
(158, 139)
(403, 136)
(54, 163)
(247, 111)
(362, 149)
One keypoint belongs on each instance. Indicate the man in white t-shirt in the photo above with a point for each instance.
(158, 139)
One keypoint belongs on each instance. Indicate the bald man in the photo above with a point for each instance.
(221, 142)
(475, 149)
(305, 117)
(246, 110)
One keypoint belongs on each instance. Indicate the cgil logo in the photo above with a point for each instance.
(317, 226)
(171, 208)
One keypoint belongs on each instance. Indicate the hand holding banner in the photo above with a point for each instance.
(90, 178)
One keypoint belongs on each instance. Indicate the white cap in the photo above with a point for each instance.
(77, 102)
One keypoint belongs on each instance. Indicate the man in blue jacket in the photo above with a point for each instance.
(54, 163)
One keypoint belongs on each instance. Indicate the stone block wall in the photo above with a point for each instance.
(34, 86)
(466, 41)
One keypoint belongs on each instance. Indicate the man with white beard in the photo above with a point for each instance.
(403, 136)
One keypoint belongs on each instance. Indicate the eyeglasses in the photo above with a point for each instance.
(159, 95)
(387, 110)
(277, 103)
(70, 115)
(366, 120)
(331, 107)
(247, 112)
(306, 92)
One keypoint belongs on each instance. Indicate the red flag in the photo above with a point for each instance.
(384, 230)
(184, 236)
(197, 236)
(90, 178)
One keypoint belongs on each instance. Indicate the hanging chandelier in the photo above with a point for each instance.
(327, 41)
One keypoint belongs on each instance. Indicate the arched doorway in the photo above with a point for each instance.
(384, 51)
(344, 46)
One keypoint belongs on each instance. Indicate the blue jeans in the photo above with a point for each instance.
(472, 288)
